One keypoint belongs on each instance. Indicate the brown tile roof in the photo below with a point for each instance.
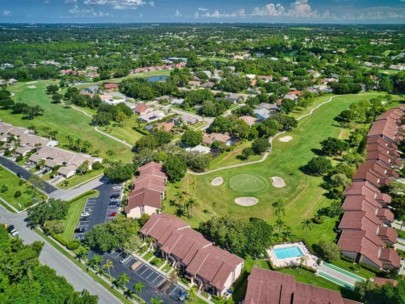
(270, 287)
(382, 142)
(383, 149)
(358, 202)
(383, 281)
(208, 139)
(386, 214)
(390, 256)
(143, 197)
(249, 120)
(368, 174)
(360, 220)
(201, 257)
(384, 128)
(165, 126)
(111, 86)
(141, 108)
(362, 188)
(388, 234)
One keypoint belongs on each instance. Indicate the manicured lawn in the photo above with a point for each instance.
(231, 157)
(72, 219)
(166, 268)
(148, 256)
(365, 273)
(66, 121)
(305, 276)
(126, 133)
(302, 195)
(247, 183)
(28, 192)
(157, 262)
(78, 179)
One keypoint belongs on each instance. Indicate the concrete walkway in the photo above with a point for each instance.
(101, 132)
(74, 192)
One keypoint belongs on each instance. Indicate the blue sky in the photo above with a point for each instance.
(289, 11)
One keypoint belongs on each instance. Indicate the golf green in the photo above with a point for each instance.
(247, 183)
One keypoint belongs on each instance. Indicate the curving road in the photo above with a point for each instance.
(53, 258)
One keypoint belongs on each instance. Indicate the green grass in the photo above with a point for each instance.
(72, 219)
(126, 133)
(247, 183)
(166, 268)
(401, 234)
(157, 262)
(79, 179)
(12, 182)
(308, 277)
(66, 121)
(362, 272)
(148, 256)
(302, 196)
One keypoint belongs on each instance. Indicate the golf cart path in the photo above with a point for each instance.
(265, 155)
(101, 132)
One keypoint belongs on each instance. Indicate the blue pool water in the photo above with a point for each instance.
(288, 252)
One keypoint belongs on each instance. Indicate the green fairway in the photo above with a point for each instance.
(247, 183)
(302, 195)
(66, 121)
(10, 184)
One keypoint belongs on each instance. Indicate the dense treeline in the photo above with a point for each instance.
(25, 280)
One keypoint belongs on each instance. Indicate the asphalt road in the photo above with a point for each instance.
(25, 174)
(53, 258)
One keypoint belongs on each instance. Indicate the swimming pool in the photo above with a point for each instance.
(288, 252)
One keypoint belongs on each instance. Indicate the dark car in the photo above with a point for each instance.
(19, 174)
(80, 230)
(183, 295)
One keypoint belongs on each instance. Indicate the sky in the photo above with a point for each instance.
(229, 11)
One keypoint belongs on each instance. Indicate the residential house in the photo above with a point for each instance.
(265, 78)
(165, 126)
(262, 114)
(199, 149)
(111, 87)
(92, 90)
(153, 115)
(250, 121)
(209, 138)
(142, 109)
(211, 268)
(271, 287)
(148, 193)
(366, 233)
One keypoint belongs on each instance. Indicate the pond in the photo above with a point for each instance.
(156, 78)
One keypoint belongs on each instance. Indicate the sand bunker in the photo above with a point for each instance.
(285, 138)
(31, 87)
(218, 181)
(278, 182)
(246, 201)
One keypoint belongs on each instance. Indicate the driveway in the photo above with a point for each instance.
(25, 174)
(78, 278)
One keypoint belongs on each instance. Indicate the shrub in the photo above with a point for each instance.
(17, 194)
(18, 158)
(317, 220)
(97, 166)
(73, 245)
(60, 239)
(3, 189)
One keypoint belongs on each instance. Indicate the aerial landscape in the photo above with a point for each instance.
(185, 152)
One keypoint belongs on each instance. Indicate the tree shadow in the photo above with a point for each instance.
(318, 152)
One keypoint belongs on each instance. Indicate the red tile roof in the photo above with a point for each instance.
(390, 256)
(201, 257)
(270, 287)
(388, 234)
(383, 281)
(141, 108)
(143, 197)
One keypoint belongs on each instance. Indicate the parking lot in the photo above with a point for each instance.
(98, 210)
(156, 284)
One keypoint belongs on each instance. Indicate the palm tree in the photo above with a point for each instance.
(180, 196)
(306, 225)
(94, 261)
(189, 205)
(100, 271)
(109, 264)
(287, 234)
(179, 212)
(122, 280)
(129, 293)
(156, 301)
(280, 210)
(279, 224)
(138, 287)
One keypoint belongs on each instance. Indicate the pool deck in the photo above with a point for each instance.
(307, 259)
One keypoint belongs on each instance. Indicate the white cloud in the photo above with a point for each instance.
(177, 13)
(120, 4)
(269, 10)
(70, 1)
(301, 8)
(76, 11)
(6, 13)
(204, 13)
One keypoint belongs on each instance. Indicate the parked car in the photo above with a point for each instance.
(84, 218)
(19, 174)
(111, 214)
(80, 230)
(117, 187)
(183, 295)
(11, 229)
(85, 214)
